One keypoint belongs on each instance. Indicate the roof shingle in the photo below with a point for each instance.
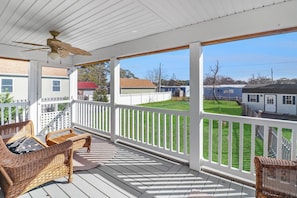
(136, 83)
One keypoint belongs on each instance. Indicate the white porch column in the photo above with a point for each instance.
(73, 91)
(34, 95)
(114, 95)
(196, 105)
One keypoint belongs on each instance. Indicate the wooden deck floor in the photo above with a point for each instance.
(132, 173)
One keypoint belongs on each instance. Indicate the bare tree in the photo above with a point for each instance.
(214, 73)
(157, 75)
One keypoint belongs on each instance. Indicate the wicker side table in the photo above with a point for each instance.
(79, 140)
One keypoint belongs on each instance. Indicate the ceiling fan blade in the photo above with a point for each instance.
(71, 49)
(27, 43)
(41, 49)
(78, 51)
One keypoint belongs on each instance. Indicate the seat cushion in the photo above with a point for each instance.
(24, 145)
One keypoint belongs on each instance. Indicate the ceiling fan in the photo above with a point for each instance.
(57, 47)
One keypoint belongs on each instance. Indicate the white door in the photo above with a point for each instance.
(270, 103)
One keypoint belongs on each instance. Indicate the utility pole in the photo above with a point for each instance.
(272, 75)
(159, 77)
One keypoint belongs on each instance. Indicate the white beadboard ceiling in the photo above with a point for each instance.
(94, 24)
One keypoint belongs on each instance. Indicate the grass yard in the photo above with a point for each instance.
(223, 107)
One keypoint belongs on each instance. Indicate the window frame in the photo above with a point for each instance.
(289, 100)
(8, 86)
(56, 86)
(253, 98)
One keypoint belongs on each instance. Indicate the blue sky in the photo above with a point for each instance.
(239, 60)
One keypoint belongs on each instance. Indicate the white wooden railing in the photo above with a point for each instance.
(93, 116)
(13, 112)
(55, 115)
(229, 142)
(160, 130)
(237, 143)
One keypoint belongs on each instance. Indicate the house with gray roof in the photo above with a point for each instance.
(272, 98)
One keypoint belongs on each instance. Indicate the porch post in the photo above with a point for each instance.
(34, 94)
(73, 91)
(196, 105)
(114, 94)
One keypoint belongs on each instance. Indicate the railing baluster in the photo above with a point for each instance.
(230, 132)
(240, 163)
(266, 145)
(142, 127)
(210, 129)
(185, 136)
(294, 144)
(279, 132)
(148, 127)
(137, 125)
(153, 129)
(170, 146)
(164, 131)
(220, 142)
(133, 126)
(177, 141)
(253, 142)
(158, 130)
(129, 123)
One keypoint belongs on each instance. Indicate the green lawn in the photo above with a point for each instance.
(223, 107)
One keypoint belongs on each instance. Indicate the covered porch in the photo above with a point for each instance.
(114, 30)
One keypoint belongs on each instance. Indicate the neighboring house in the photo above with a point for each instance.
(224, 92)
(14, 80)
(131, 86)
(86, 89)
(273, 98)
(178, 91)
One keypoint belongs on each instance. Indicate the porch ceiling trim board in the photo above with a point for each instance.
(258, 21)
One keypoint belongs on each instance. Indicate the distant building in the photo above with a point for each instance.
(132, 86)
(273, 98)
(86, 90)
(177, 91)
(224, 92)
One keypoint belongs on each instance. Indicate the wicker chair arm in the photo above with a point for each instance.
(16, 160)
(53, 133)
(273, 162)
(81, 136)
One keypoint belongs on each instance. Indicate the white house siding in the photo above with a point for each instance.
(254, 105)
(286, 108)
(19, 87)
(47, 88)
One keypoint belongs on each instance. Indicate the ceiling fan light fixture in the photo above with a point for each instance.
(53, 55)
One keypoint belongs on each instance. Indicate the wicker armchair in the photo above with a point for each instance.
(21, 173)
(275, 177)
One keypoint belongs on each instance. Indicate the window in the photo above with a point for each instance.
(229, 91)
(6, 85)
(270, 100)
(253, 98)
(56, 85)
(289, 100)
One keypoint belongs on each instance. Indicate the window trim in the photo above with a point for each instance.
(289, 100)
(12, 82)
(252, 99)
(55, 86)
